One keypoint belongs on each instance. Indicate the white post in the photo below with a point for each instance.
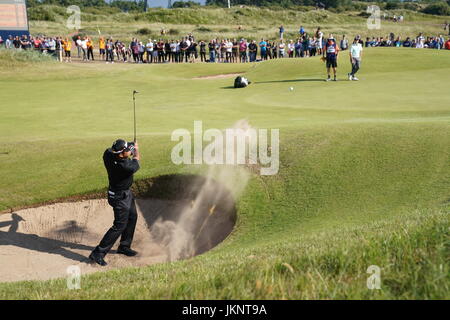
(229, 4)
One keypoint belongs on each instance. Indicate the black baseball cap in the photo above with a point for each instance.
(120, 146)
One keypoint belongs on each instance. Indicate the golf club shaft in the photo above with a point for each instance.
(134, 114)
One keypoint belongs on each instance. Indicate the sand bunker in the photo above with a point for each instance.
(220, 76)
(178, 217)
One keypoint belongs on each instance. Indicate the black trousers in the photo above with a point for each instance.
(125, 217)
(161, 56)
(228, 56)
(90, 54)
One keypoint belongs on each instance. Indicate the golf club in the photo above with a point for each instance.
(134, 112)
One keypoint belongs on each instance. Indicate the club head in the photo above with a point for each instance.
(134, 91)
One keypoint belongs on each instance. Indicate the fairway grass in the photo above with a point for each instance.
(364, 173)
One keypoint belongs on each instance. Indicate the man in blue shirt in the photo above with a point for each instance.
(298, 48)
(281, 32)
(302, 31)
(263, 49)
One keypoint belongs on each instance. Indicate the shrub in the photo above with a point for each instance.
(144, 31)
(335, 3)
(364, 14)
(239, 13)
(440, 9)
(411, 6)
(41, 13)
(101, 10)
(173, 32)
(203, 29)
(358, 6)
(185, 4)
(336, 10)
(391, 5)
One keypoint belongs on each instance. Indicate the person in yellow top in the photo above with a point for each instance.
(67, 45)
(102, 47)
(90, 49)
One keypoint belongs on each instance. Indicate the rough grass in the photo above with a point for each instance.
(20, 58)
(207, 23)
(412, 252)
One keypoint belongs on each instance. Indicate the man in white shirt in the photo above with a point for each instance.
(355, 58)
(420, 41)
(419, 44)
(51, 46)
(229, 46)
(149, 48)
(83, 44)
(282, 48)
(155, 52)
(173, 51)
(291, 49)
(344, 43)
(319, 36)
(9, 42)
(78, 43)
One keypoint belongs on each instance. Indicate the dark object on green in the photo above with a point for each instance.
(241, 82)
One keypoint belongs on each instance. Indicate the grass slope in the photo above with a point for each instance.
(364, 176)
(208, 23)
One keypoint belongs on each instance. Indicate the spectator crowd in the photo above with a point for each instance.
(188, 49)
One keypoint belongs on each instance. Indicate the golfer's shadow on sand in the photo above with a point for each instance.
(38, 243)
(204, 209)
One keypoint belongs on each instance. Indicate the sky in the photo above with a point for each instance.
(163, 3)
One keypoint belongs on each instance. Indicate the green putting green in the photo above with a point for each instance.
(363, 180)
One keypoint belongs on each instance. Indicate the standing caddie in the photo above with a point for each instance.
(121, 162)
(330, 53)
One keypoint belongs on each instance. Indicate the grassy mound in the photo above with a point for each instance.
(210, 22)
(19, 58)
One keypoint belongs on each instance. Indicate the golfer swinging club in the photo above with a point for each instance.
(121, 162)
